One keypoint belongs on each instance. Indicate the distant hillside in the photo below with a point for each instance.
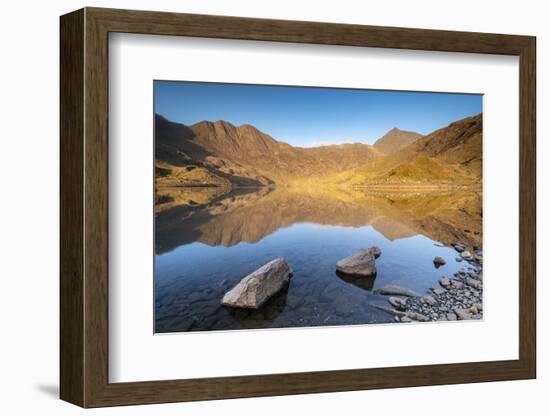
(451, 154)
(395, 140)
(246, 156)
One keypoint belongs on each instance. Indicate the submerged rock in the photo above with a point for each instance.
(256, 288)
(439, 261)
(395, 290)
(398, 303)
(388, 309)
(360, 263)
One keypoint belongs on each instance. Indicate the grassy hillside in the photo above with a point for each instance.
(190, 175)
(425, 168)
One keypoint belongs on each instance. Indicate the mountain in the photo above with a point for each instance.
(243, 155)
(395, 140)
(450, 155)
(219, 154)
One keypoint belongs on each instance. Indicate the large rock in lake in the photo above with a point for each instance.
(361, 263)
(256, 288)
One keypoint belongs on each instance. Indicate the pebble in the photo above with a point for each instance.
(466, 255)
(417, 316)
(462, 314)
(445, 282)
(428, 299)
(473, 282)
(451, 316)
(457, 284)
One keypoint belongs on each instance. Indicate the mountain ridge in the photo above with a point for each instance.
(218, 153)
(245, 150)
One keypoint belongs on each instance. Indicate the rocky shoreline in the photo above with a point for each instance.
(459, 297)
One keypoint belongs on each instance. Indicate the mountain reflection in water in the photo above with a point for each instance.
(207, 240)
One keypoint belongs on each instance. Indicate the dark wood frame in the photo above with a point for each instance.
(84, 207)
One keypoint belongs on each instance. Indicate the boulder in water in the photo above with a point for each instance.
(256, 288)
(361, 263)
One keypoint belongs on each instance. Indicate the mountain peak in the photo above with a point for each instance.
(216, 123)
(395, 139)
(223, 123)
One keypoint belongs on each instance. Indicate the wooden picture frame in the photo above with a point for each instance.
(84, 207)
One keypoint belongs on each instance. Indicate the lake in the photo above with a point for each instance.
(208, 239)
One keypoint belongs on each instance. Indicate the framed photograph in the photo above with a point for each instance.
(257, 207)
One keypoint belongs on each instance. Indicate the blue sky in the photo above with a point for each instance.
(312, 116)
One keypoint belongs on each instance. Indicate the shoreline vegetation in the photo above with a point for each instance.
(223, 184)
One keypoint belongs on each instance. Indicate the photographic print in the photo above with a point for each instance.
(289, 206)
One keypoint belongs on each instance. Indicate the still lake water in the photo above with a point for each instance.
(205, 248)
